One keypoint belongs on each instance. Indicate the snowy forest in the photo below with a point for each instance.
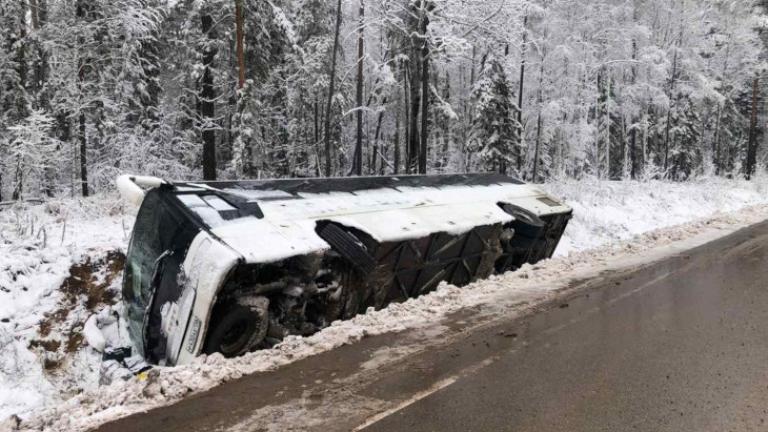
(221, 89)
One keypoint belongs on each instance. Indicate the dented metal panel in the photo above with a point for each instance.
(206, 267)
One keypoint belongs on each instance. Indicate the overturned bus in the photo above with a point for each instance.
(232, 267)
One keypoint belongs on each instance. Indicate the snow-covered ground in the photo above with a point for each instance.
(606, 212)
(42, 311)
(50, 377)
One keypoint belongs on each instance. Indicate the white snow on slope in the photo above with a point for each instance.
(38, 245)
(606, 213)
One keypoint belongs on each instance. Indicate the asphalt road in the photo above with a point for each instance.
(685, 351)
(679, 345)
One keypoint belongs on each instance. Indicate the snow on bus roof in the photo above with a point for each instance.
(356, 184)
(289, 221)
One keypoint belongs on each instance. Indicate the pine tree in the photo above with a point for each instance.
(686, 155)
(14, 106)
(617, 89)
(495, 129)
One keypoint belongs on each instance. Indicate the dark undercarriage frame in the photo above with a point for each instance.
(307, 293)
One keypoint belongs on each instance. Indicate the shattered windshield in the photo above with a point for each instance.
(143, 252)
(161, 237)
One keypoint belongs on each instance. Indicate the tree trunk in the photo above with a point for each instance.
(672, 101)
(83, 141)
(38, 13)
(316, 121)
(18, 189)
(358, 162)
(633, 121)
(331, 91)
(716, 145)
(424, 92)
(21, 61)
(539, 121)
(752, 149)
(536, 152)
(376, 138)
(633, 134)
(716, 142)
(414, 145)
(21, 102)
(34, 14)
(407, 125)
(83, 156)
(240, 48)
(207, 99)
(447, 135)
(666, 141)
(633, 152)
(666, 138)
(241, 146)
(396, 150)
(609, 120)
(520, 137)
(466, 150)
(396, 169)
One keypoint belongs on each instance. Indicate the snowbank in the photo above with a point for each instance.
(606, 214)
(41, 357)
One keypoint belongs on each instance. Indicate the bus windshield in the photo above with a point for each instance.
(143, 253)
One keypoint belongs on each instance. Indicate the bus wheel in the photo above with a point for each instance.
(239, 328)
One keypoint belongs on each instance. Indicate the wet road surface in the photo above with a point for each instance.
(680, 345)
(685, 351)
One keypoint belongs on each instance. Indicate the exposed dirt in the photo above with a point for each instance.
(88, 287)
(48, 345)
(83, 280)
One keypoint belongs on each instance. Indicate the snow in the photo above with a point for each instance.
(387, 214)
(607, 212)
(615, 224)
(93, 334)
(38, 245)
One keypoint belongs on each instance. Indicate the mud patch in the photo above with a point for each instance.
(89, 287)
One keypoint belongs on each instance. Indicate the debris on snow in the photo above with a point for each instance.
(60, 263)
(93, 335)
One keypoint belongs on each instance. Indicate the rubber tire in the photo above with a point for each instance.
(348, 246)
(235, 315)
